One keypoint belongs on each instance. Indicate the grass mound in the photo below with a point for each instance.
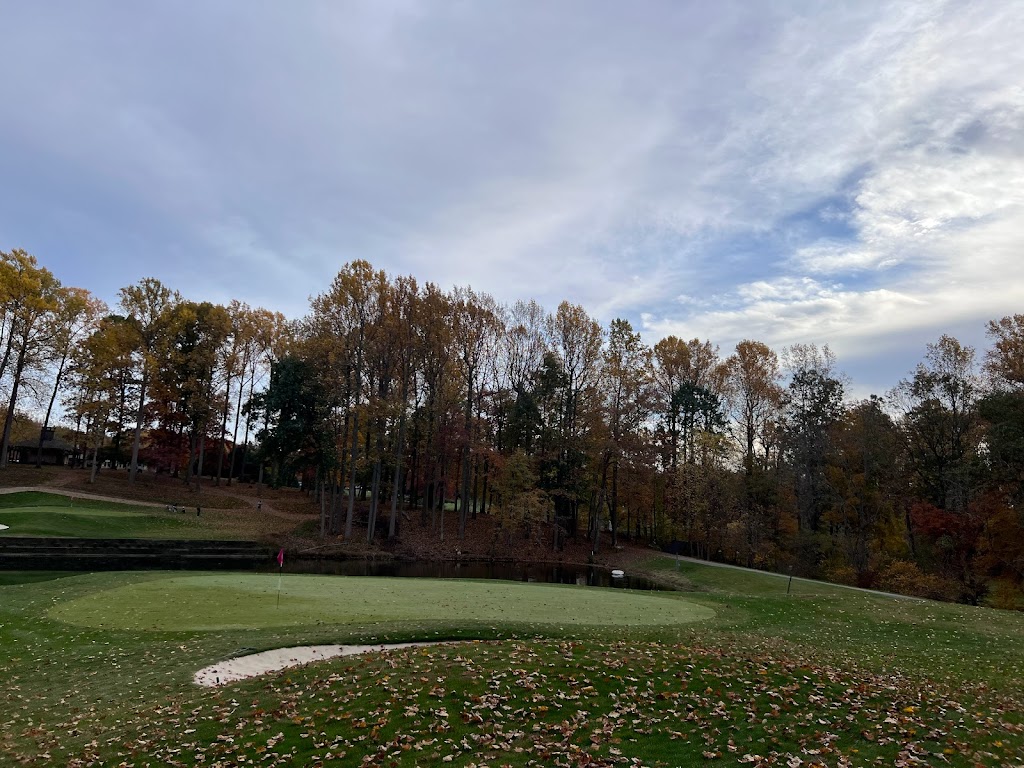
(238, 601)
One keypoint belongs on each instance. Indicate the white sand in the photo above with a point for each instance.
(3, 527)
(282, 658)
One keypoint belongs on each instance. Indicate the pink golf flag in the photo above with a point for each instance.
(280, 558)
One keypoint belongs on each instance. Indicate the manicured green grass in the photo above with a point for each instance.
(241, 601)
(45, 514)
(824, 675)
(893, 634)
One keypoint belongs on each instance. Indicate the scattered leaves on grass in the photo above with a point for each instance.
(574, 704)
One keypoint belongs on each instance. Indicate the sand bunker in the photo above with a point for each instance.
(3, 527)
(256, 664)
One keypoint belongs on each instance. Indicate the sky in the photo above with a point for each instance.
(841, 173)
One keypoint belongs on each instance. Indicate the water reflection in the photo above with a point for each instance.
(588, 576)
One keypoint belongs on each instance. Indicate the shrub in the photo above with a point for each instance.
(905, 578)
(1005, 594)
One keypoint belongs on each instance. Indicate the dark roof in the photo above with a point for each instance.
(56, 444)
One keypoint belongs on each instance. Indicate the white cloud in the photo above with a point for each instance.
(841, 173)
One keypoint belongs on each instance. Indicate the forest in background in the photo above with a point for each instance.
(428, 399)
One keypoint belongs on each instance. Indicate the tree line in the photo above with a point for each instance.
(424, 401)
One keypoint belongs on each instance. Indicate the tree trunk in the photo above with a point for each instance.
(483, 496)
(371, 523)
(353, 455)
(464, 494)
(11, 405)
(245, 439)
(49, 410)
(442, 484)
(614, 516)
(234, 432)
(340, 475)
(396, 483)
(7, 350)
(413, 475)
(133, 468)
(202, 453)
(334, 517)
(78, 432)
(96, 457)
(476, 483)
(223, 430)
(323, 508)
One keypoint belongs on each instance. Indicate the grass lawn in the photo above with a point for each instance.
(734, 672)
(34, 513)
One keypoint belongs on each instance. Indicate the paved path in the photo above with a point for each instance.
(713, 564)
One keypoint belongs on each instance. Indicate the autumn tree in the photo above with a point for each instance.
(403, 329)
(145, 308)
(232, 364)
(576, 340)
(30, 295)
(383, 366)
(1004, 361)
(1002, 408)
(521, 354)
(812, 406)
(296, 409)
(754, 397)
(939, 422)
(74, 318)
(476, 329)
(627, 394)
(1001, 543)
(99, 368)
(435, 405)
(201, 330)
(688, 385)
(866, 518)
(346, 317)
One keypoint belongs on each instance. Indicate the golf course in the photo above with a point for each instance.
(732, 667)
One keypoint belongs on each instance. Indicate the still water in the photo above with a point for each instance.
(544, 573)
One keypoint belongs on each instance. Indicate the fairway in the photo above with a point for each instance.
(238, 601)
(33, 513)
(66, 509)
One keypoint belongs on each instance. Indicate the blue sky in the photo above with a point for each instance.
(849, 173)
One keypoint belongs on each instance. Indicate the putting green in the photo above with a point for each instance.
(239, 601)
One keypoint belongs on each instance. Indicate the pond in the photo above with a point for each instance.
(584, 575)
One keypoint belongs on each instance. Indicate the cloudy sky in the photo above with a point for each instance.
(849, 173)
